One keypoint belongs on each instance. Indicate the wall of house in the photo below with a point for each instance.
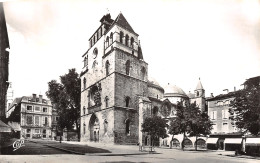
(219, 115)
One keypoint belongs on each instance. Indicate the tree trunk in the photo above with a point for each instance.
(182, 143)
(196, 143)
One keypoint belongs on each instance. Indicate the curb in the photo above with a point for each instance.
(119, 154)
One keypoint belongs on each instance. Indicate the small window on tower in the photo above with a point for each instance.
(107, 68)
(111, 38)
(126, 40)
(198, 93)
(107, 41)
(121, 36)
(106, 101)
(84, 83)
(127, 67)
(84, 110)
(127, 101)
(132, 42)
(143, 72)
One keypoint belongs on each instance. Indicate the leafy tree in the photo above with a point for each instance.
(190, 120)
(201, 125)
(155, 127)
(246, 107)
(65, 97)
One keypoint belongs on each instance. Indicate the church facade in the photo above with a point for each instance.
(116, 92)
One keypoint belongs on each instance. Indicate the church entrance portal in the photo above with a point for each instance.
(94, 128)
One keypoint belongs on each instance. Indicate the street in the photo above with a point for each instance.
(113, 153)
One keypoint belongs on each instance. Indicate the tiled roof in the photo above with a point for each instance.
(121, 21)
(199, 85)
(222, 96)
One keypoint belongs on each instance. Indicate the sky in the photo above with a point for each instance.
(217, 41)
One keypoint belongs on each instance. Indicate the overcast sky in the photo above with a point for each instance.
(216, 40)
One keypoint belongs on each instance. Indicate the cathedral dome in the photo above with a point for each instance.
(174, 91)
(151, 80)
(154, 88)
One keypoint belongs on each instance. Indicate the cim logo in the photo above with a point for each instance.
(18, 144)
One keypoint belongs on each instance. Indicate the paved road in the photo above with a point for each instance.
(125, 154)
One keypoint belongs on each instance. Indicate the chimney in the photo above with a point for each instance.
(211, 95)
(34, 97)
(235, 89)
(40, 98)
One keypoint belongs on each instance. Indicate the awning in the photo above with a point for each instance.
(253, 141)
(212, 141)
(233, 141)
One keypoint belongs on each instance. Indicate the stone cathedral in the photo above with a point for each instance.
(116, 93)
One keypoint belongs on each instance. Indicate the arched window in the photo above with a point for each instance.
(84, 128)
(105, 126)
(132, 42)
(155, 111)
(106, 101)
(127, 101)
(127, 127)
(143, 73)
(121, 36)
(107, 67)
(85, 61)
(84, 83)
(127, 67)
(111, 38)
(84, 110)
(126, 39)
(198, 93)
(107, 41)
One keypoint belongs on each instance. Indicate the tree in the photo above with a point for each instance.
(201, 125)
(190, 120)
(246, 107)
(155, 127)
(65, 97)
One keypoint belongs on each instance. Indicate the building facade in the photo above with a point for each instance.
(116, 93)
(31, 116)
(224, 128)
(4, 61)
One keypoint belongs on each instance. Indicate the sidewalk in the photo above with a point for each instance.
(116, 150)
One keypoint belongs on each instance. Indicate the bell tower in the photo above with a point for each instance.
(199, 96)
(113, 78)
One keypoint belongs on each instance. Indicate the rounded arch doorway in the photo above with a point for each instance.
(94, 128)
